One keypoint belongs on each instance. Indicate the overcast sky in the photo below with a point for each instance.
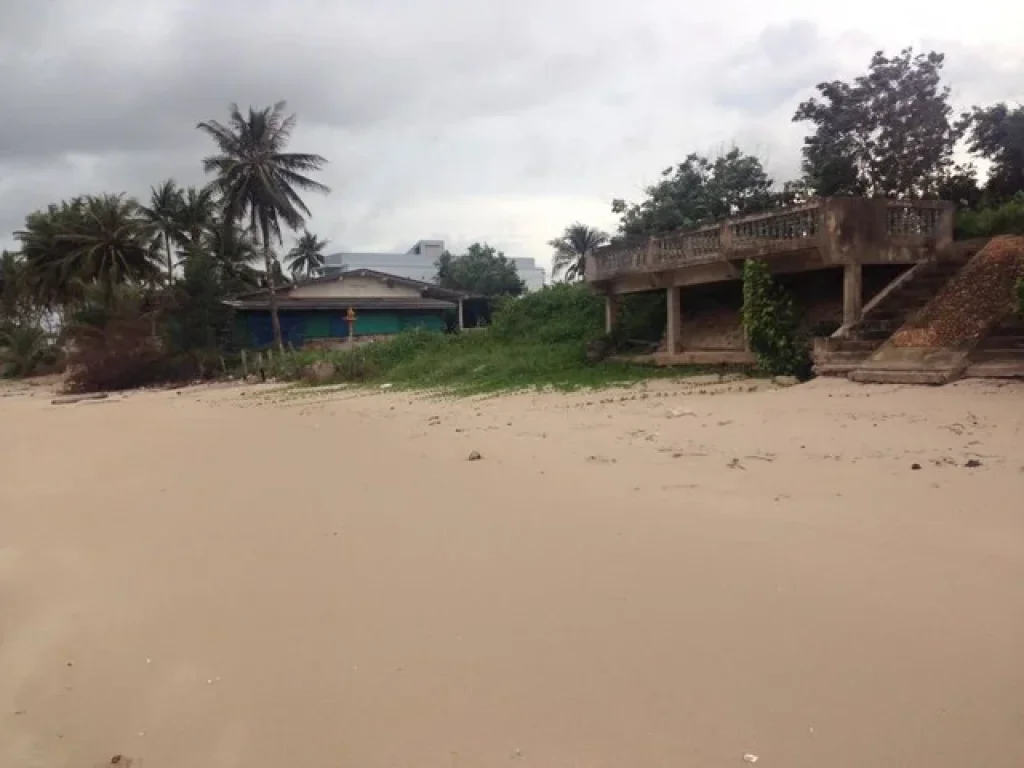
(456, 119)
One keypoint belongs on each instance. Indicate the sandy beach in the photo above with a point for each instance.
(671, 575)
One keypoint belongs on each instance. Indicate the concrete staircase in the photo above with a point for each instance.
(888, 311)
(956, 328)
(1001, 353)
(910, 293)
(837, 357)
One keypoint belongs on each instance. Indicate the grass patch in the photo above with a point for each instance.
(471, 363)
(538, 341)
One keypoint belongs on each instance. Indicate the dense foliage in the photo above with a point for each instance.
(698, 191)
(1003, 219)
(772, 325)
(889, 132)
(481, 270)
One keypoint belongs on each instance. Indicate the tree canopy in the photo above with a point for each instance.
(697, 191)
(996, 133)
(888, 133)
(481, 269)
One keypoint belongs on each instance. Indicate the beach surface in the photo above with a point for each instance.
(712, 573)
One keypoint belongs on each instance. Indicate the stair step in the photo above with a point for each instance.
(897, 376)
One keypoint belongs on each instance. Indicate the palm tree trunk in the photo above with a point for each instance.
(170, 263)
(275, 321)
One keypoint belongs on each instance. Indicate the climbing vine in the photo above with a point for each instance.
(771, 323)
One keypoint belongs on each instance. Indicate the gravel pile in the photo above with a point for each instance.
(973, 301)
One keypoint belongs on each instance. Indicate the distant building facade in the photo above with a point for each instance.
(418, 263)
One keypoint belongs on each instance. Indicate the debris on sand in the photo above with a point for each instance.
(972, 464)
(71, 399)
(474, 456)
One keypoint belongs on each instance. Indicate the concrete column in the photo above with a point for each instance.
(853, 294)
(461, 321)
(611, 312)
(674, 318)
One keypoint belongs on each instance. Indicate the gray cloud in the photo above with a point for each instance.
(463, 119)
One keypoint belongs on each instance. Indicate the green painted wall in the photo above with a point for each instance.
(298, 327)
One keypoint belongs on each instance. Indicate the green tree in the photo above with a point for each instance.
(996, 133)
(259, 181)
(699, 191)
(198, 215)
(481, 269)
(102, 240)
(306, 256)
(22, 349)
(887, 133)
(15, 302)
(235, 251)
(164, 214)
(572, 248)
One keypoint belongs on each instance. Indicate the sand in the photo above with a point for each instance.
(667, 576)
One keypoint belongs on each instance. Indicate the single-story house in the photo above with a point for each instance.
(316, 309)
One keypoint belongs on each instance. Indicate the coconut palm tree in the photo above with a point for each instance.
(572, 248)
(236, 253)
(259, 181)
(197, 215)
(43, 250)
(307, 255)
(109, 243)
(164, 213)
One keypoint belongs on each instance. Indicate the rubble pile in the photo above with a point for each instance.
(975, 300)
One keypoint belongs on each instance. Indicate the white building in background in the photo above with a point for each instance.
(419, 263)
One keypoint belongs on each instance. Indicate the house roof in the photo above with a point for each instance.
(428, 290)
(285, 304)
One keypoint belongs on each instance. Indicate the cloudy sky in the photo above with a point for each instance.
(456, 119)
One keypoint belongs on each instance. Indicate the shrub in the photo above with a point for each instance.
(772, 325)
(1005, 219)
(555, 314)
(115, 348)
(26, 349)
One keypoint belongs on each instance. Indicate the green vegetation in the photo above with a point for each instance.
(482, 270)
(259, 182)
(307, 256)
(771, 323)
(139, 287)
(540, 340)
(571, 250)
(1004, 219)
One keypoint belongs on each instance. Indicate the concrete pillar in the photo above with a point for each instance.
(461, 320)
(611, 312)
(853, 294)
(674, 319)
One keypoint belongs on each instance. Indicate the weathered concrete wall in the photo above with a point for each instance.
(354, 287)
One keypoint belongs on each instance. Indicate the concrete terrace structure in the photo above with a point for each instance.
(418, 263)
(850, 243)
